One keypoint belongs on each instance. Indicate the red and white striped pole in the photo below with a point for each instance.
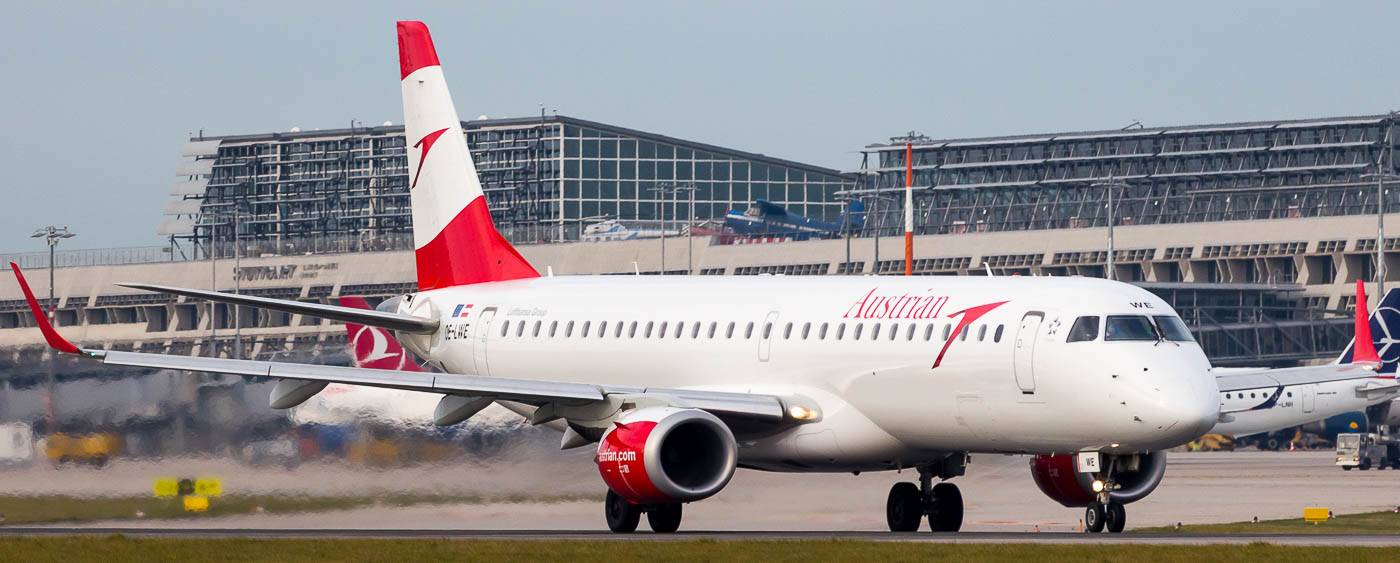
(909, 209)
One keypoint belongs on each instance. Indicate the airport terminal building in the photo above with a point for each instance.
(544, 178)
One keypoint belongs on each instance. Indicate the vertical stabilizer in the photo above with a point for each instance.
(455, 242)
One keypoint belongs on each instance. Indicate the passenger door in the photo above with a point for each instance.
(1309, 397)
(765, 336)
(1025, 350)
(483, 333)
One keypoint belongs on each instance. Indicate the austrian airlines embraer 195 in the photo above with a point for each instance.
(679, 380)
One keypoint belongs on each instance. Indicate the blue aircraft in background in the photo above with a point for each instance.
(768, 218)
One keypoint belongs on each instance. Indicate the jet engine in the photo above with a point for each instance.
(661, 455)
(1134, 477)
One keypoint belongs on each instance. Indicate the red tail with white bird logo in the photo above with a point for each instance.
(374, 347)
(455, 242)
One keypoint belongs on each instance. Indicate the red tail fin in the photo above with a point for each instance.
(452, 231)
(374, 347)
(1363, 349)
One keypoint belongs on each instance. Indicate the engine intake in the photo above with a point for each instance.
(1057, 477)
(664, 455)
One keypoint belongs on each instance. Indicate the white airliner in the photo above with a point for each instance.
(679, 380)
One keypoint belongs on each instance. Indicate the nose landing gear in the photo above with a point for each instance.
(908, 503)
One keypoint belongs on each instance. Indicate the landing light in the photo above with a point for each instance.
(1098, 486)
(800, 412)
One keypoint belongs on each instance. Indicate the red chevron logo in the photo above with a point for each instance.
(427, 143)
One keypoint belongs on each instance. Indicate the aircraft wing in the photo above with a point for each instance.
(391, 321)
(1297, 376)
(726, 405)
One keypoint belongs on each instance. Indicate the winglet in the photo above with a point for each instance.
(51, 335)
(1364, 349)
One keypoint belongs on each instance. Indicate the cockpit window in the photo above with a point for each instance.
(1084, 329)
(1172, 328)
(1129, 327)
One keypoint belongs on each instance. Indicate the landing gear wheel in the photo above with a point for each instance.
(665, 518)
(905, 507)
(1115, 517)
(622, 515)
(945, 508)
(1093, 518)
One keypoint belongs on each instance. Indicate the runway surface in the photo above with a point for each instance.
(1000, 497)
(1355, 540)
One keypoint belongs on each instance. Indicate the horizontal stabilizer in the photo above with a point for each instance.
(391, 321)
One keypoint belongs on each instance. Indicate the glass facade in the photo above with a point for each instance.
(544, 179)
(1270, 170)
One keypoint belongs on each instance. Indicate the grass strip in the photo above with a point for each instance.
(119, 549)
(1385, 522)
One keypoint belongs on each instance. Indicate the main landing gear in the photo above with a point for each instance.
(623, 516)
(908, 503)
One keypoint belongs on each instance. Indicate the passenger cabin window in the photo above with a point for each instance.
(875, 332)
(787, 331)
(767, 330)
(647, 333)
(1172, 328)
(821, 333)
(1128, 327)
(713, 326)
(928, 332)
(617, 332)
(996, 336)
(1085, 329)
(840, 331)
(505, 327)
(856, 334)
(748, 331)
(661, 330)
(680, 327)
(536, 332)
(947, 331)
(910, 335)
(806, 329)
(694, 331)
(729, 332)
(981, 333)
(963, 335)
(602, 329)
(569, 329)
(520, 329)
(584, 333)
(632, 330)
(553, 327)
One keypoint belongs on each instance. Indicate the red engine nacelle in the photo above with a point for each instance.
(1058, 478)
(663, 455)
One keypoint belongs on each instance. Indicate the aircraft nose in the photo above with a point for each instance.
(1195, 404)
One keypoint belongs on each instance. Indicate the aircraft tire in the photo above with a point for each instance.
(1093, 518)
(665, 518)
(1115, 517)
(904, 510)
(946, 508)
(622, 515)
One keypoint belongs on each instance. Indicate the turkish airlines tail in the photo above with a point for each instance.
(374, 347)
(455, 242)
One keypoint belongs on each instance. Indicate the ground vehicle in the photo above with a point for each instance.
(95, 448)
(16, 444)
(1364, 451)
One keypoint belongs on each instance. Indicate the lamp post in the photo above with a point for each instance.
(662, 191)
(52, 235)
(1383, 174)
(1109, 186)
(875, 200)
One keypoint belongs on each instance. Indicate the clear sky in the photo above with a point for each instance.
(98, 98)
